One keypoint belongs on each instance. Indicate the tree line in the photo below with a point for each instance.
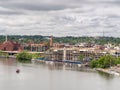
(68, 39)
(105, 62)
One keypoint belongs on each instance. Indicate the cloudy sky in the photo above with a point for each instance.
(60, 17)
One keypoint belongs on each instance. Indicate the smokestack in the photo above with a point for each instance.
(6, 38)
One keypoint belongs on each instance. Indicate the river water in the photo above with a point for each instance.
(51, 77)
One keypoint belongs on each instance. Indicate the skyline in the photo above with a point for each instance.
(60, 17)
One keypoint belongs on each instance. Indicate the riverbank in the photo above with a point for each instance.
(115, 70)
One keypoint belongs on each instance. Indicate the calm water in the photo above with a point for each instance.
(51, 77)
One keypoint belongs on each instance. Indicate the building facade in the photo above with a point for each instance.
(10, 46)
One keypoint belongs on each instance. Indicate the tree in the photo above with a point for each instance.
(81, 57)
(93, 63)
(36, 55)
(24, 57)
(104, 62)
(118, 60)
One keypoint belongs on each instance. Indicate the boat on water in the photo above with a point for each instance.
(18, 71)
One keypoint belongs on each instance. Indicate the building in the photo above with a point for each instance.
(51, 41)
(73, 53)
(10, 46)
(58, 45)
(39, 47)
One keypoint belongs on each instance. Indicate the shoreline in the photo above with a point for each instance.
(111, 71)
(115, 70)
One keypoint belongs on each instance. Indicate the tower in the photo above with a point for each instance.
(51, 41)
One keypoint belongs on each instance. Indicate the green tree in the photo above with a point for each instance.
(81, 57)
(24, 57)
(93, 63)
(118, 60)
(36, 55)
(104, 62)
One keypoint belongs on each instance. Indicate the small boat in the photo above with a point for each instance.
(18, 71)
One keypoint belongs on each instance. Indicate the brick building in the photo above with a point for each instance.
(10, 46)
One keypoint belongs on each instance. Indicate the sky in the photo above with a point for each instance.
(60, 17)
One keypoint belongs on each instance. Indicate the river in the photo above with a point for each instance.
(51, 77)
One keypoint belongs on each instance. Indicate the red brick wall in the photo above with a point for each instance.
(10, 46)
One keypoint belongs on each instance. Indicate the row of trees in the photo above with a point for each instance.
(26, 57)
(105, 62)
(67, 39)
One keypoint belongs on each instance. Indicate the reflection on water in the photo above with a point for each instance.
(53, 76)
(60, 66)
(8, 61)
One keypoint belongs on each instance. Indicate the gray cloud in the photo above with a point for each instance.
(50, 4)
(60, 17)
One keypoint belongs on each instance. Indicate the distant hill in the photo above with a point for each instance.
(68, 39)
